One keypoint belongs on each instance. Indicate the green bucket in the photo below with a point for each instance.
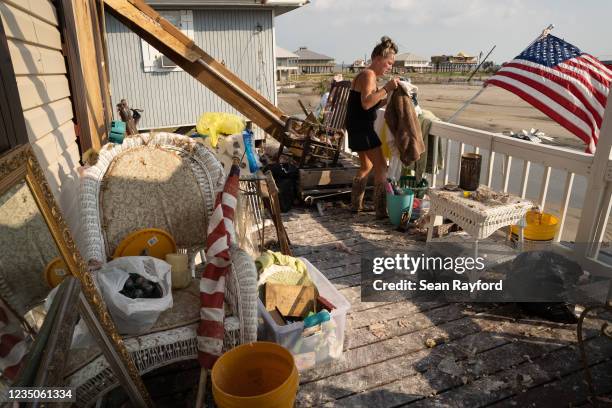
(397, 205)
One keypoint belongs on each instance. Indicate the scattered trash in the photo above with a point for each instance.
(525, 379)
(403, 323)
(341, 246)
(449, 366)
(490, 386)
(431, 343)
(378, 330)
(533, 135)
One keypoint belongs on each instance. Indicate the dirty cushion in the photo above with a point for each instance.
(151, 187)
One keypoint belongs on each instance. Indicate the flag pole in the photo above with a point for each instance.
(480, 64)
(467, 103)
(201, 388)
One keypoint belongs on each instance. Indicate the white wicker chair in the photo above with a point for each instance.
(144, 158)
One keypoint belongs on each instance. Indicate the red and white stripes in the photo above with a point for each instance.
(572, 93)
(13, 346)
(221, 234)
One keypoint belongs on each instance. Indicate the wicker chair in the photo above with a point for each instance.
(165, 181)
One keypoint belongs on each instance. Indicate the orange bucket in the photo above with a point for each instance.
(259, 374)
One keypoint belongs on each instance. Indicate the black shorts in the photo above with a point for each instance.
(363, 139)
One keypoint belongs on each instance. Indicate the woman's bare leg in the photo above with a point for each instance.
(380, 177)
(360, 181)
(365, 164)
(379, 163)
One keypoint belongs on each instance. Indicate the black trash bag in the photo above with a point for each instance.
(541, 276)
(539, 279)
(286, 178)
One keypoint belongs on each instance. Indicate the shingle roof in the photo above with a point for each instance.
(305, 54)
(408, 56)
(283, 53)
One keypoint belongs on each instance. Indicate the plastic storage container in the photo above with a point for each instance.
(308, 351)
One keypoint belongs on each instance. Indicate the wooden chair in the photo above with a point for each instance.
(309, 141)
(164, 181)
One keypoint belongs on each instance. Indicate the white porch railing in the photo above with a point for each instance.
(504, 157)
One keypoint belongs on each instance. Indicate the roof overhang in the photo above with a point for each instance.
(279, 6)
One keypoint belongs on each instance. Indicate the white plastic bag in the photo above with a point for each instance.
(135, 316)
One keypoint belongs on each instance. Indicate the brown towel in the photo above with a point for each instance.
(404, 124)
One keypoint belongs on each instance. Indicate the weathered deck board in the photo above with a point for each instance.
(516, 361)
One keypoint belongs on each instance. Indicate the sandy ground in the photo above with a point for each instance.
(495, 110)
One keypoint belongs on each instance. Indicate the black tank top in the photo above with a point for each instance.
(356, 116)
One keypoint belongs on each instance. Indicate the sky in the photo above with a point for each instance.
(348, 29)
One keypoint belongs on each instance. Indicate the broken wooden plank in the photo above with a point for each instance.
(85, 57)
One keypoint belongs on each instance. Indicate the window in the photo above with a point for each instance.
(153, 60)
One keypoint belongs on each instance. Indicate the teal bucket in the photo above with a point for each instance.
(398, 205)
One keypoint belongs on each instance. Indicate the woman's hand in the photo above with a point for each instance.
(391, 85)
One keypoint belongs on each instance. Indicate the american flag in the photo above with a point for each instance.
(221, 234)
(13, 345)
(568, 85)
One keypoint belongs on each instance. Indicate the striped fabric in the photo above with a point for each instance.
(13, 346)
(569, 86)
(221, 234)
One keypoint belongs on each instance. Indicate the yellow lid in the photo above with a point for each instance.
(149, 241)
(55, 272)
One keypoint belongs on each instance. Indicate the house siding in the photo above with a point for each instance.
(175, 98)
(34, 43)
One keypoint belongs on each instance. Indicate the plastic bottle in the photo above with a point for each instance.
(249, 147)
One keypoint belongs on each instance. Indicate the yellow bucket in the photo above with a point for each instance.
(259, 374)
(540, 226)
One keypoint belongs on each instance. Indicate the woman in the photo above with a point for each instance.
(365, 97)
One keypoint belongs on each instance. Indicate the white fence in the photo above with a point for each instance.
(529, 167)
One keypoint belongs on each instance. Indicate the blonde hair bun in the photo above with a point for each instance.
(384, 48)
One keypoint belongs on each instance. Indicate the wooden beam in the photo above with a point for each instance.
(99, 30)
(166, 38)
(84, 74)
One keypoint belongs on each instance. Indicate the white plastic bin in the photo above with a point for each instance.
(315, 349)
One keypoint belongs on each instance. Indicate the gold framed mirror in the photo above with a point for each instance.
(36, 243)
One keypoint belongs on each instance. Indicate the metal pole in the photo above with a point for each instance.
(480, 64)
(544, 33)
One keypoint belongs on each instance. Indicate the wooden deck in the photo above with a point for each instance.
(486, 354)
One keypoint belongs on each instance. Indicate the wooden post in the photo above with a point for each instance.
(275, 212)
(83, 66)
(594, 216)
(201, 388)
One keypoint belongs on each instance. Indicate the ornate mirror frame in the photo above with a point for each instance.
(19, 164)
